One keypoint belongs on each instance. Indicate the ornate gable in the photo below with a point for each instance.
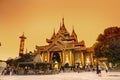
(56, 46)
(62, 40)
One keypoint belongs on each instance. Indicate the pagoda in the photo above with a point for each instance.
(64, 47)
(22, 42)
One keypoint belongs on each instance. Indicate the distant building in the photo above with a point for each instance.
(22, 42)
(64, 47)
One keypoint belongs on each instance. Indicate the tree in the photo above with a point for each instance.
(10, 61)
(108, 45)
(24, 58)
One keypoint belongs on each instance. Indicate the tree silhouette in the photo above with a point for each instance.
(108, 44)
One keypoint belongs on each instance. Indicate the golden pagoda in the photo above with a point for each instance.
(64, 47)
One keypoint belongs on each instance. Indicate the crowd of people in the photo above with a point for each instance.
(99, 69)
(9, 71)
(77, 68)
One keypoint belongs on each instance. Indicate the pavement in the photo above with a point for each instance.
(65, 76)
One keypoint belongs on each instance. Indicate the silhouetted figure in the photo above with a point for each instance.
(78, 68)
(98, 70)
(62, 68)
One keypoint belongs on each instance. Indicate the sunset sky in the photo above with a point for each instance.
(38, 18)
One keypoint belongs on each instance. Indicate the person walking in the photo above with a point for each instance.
(98, 70)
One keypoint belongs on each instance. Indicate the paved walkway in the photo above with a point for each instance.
(66, 76)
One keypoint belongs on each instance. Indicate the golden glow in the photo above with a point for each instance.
(38, 18)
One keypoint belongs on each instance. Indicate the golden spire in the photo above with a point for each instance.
(73, 29)
(54, 32)
(63, 29)
(63, 21)
(53, 36)
(74, 34)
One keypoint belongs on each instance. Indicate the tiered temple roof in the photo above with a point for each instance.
(62, 40)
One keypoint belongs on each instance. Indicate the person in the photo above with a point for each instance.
(78, 68)
(75, 68)
(4, 71)
(12, 71)
(86, 67)
(98, 70)
(106, 68)
(8, 71)
(61, 69)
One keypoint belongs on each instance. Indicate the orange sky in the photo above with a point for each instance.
(38, 18)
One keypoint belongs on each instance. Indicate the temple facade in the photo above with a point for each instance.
(64, 47)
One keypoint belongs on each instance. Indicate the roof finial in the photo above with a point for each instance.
(73, 27)
(63, 20)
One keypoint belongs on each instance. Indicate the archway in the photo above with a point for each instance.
(56, 57)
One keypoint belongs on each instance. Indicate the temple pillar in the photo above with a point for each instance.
(67, 57)
(43, 56)
(82, 59)
(91, 58)
(85, 58)
(71, 58)
(48, 56)
(60, 56)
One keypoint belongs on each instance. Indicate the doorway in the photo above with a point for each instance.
(56, 57)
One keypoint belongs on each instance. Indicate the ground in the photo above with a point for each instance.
(66, 76)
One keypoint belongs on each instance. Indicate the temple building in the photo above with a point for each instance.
(64, 47)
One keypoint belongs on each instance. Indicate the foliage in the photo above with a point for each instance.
(108, 45)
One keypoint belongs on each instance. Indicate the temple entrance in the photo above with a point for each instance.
(56, 57)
